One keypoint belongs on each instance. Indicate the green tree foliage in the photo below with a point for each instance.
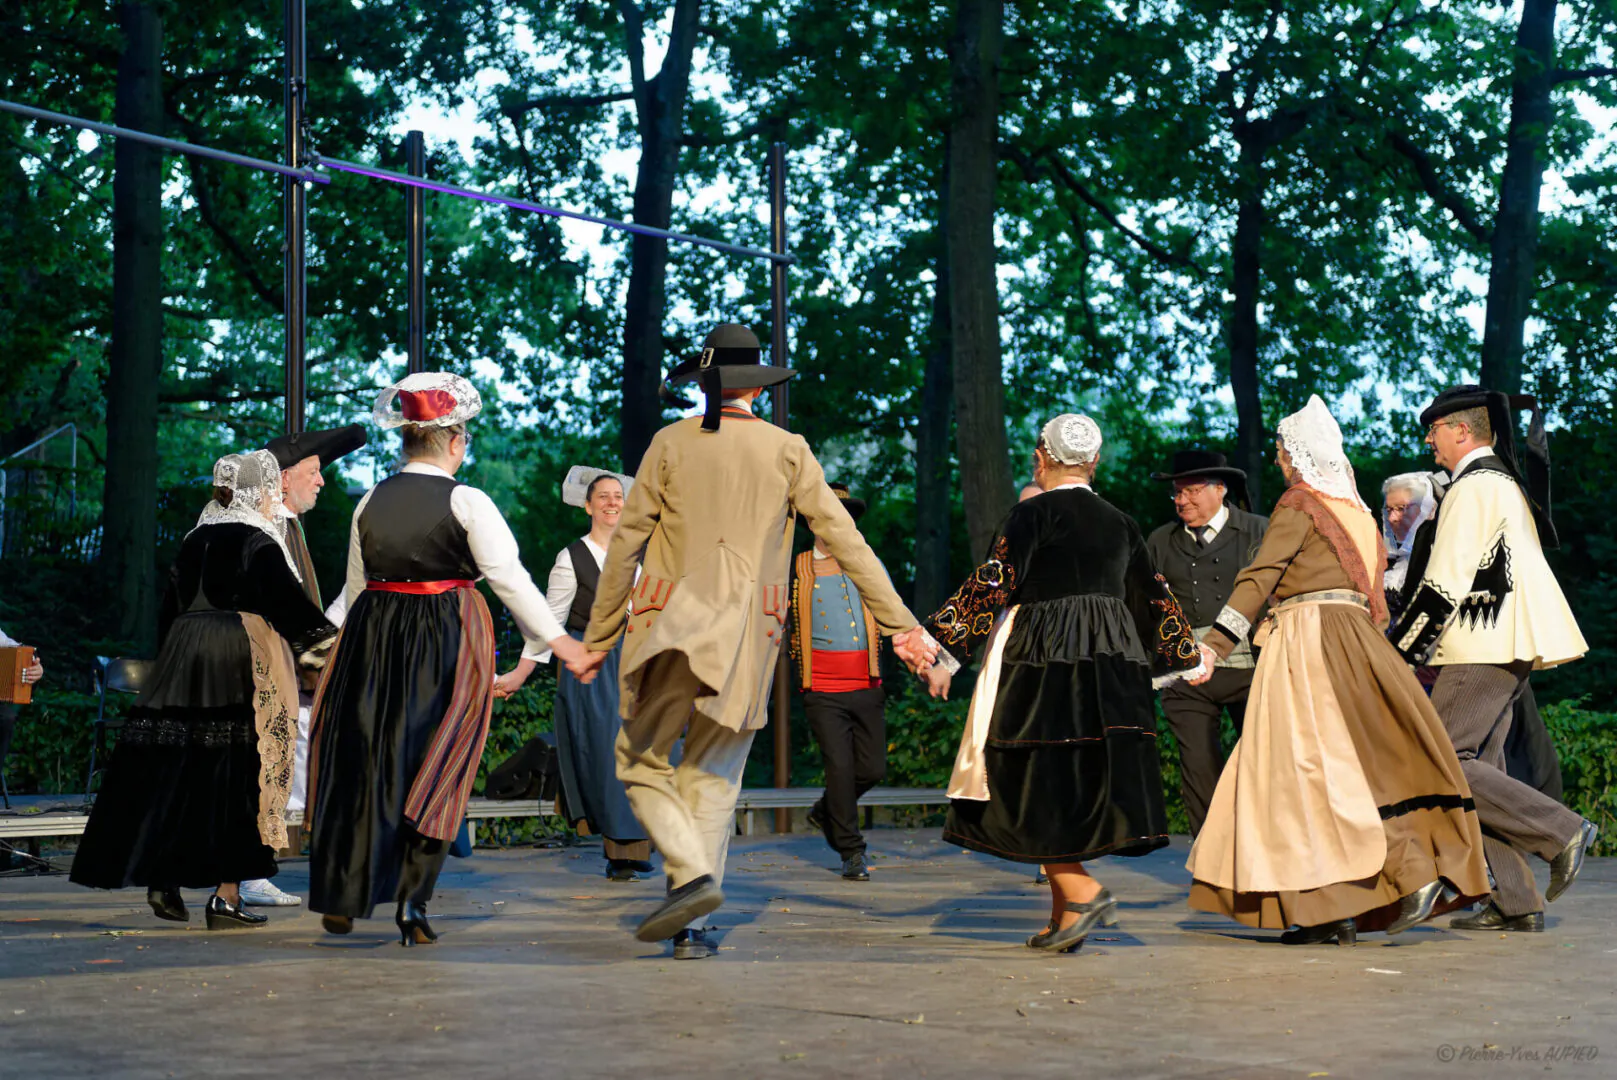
(1362, 145)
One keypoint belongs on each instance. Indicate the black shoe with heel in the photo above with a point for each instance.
(1416, 908)
(168, 904)
(1101, 911)
(223, 915)
(413, 926)
(1342, 932)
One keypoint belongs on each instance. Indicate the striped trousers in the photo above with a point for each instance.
(1476, 703)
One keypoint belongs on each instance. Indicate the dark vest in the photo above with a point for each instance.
(588, 576)
(408, 533)
(1203, 578)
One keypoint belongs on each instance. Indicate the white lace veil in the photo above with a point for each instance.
(254, 483)
(1314, 441)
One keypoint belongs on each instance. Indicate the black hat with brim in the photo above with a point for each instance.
(328, 445)
(731, 359)
(855, 507)
(1208, 465)
(1528, 461)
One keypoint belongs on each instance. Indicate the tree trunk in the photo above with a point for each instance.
(135, 365)
(985, 470)
(660, 117)
(932, 580)
(1514, 247)
(1246, 280)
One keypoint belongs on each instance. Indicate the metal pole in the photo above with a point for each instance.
(779, 397)
(172, 145)
(296, 205)
(406, 179)
(415, 225)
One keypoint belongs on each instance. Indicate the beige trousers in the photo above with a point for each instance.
(689, 811)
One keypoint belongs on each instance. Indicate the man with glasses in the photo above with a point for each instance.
(1199, 554)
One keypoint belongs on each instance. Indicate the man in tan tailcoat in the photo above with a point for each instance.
(710, 521)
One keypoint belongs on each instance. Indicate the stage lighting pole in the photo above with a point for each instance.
(415, 223)
(296, 206)
(779, 400)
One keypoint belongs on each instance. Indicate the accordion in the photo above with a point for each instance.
(12, 662)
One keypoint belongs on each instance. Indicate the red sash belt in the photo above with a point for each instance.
(419, 588)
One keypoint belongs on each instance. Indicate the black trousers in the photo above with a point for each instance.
(851, 728)
(1193, 713)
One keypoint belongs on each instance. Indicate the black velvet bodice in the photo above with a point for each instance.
(1072, 542)
(236, 567)
(407, 532)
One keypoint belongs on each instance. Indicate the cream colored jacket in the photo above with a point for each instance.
(710, 517)
(1487, 596)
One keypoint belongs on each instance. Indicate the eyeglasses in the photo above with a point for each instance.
(466, 438)
(1189, 491)
(1435, 424)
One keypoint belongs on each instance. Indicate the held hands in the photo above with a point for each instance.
(937, 681)
(586, 665)
(1209, 659)
(914, 650)
(512, 681)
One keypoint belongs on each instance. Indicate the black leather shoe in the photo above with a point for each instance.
(414, 929)
(692, 945)
(337, 924)
(854, 867)
(816, 817)
(692, 900)
(1343, 932)
(225, 916)
(1101, 911)
(621, 870)
(168, 904)
(1491, 918)
(1416, 908)
(1565, 866)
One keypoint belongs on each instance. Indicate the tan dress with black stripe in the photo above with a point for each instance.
(1344, 792)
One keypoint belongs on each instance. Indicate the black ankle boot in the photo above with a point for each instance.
(168, 904)
(1343, 932)
(222, 915)
(413, 926)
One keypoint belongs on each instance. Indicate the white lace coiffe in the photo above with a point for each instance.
(254, 483)
(1314, 441)
(1072, 439)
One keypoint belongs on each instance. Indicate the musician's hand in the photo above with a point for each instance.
(34, 672)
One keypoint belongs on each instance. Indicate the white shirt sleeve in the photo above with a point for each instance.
(6, 642)
(560, 590)
(354, 581)
(494, 550)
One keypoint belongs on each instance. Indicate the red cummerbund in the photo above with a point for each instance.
(419, 588)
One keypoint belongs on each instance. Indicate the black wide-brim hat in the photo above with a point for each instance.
(731, 359)
(328, 445)
(1208, 465)
(855, 507)
(1528, 460)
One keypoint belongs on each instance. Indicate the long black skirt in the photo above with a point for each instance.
(178, 806)
(390, 683)
(1071, 758)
